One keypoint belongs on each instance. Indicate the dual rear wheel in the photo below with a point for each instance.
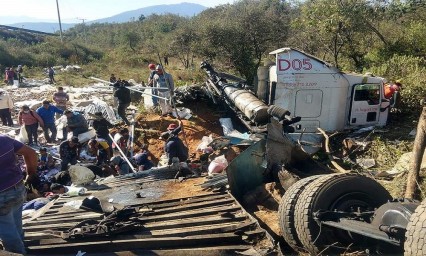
(334, 192)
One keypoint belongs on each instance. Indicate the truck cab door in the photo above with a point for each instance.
(365, 105)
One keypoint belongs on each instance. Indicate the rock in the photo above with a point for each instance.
(366, 163)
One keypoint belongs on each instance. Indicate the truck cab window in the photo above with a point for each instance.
(368, 92)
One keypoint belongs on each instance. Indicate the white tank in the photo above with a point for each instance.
(249, 104)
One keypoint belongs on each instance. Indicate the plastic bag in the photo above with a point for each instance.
(217, 165)
(226, 124)
(83, 137)
(22, 136)
(76, 191)
(205, 141)
(147, 99)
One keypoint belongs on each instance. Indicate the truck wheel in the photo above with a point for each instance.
(342, 192)
(286, 212)
(415, 240)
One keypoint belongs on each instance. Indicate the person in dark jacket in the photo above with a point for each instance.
(141, 159)
(102, 126)
(69, 152)
(123, 97)
(120, 165)
(76, 123)
(174, 147)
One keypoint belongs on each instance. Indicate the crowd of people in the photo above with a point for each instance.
(11, 74)
(48, 174)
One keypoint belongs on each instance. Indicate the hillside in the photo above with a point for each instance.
(182, 9)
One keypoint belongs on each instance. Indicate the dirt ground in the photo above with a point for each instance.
(186, 188)
(205, 121)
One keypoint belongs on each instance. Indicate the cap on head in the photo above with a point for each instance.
(171, 127)
(151, 66)
(159, 67)
(74, 139)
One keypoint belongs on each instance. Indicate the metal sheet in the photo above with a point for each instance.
(245, 171)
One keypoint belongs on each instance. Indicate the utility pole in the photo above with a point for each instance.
(84, 28)
(59, 18)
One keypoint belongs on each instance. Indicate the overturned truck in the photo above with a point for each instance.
(323, 212)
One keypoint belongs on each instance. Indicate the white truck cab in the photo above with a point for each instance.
(323, 96)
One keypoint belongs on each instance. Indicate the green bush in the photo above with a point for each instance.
(411, 72)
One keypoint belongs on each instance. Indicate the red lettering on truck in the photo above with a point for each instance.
(294, 64)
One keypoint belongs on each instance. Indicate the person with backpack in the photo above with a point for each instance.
(123, 97)
(30, 119)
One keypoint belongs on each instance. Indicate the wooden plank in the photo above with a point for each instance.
(170, 216)
(184, 222)
(191, 222)
(77, 218)
(67, 215)
(45, 239)
(195, 206)
(179, 201)
(148, 244)
(205, 251)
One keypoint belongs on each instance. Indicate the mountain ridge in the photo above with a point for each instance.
(182, 9)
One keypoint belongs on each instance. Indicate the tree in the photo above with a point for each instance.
(243, 33)
(418, 152)
(183, 42)
(335, 28)
(132, 39)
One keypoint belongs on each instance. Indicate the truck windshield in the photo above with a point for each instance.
(368, 92)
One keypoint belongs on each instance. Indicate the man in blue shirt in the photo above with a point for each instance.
(47, 113)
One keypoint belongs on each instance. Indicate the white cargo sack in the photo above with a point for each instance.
(205, 141)
(217, 165)
(147, 99)
(22, 136)
(226, 124)
(83, 137)
(81, 175)
(76, 191)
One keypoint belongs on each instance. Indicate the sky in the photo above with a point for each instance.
(76, 10)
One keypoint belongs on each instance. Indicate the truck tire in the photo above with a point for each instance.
(415, 239)
(342, 192)
(286, 212)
